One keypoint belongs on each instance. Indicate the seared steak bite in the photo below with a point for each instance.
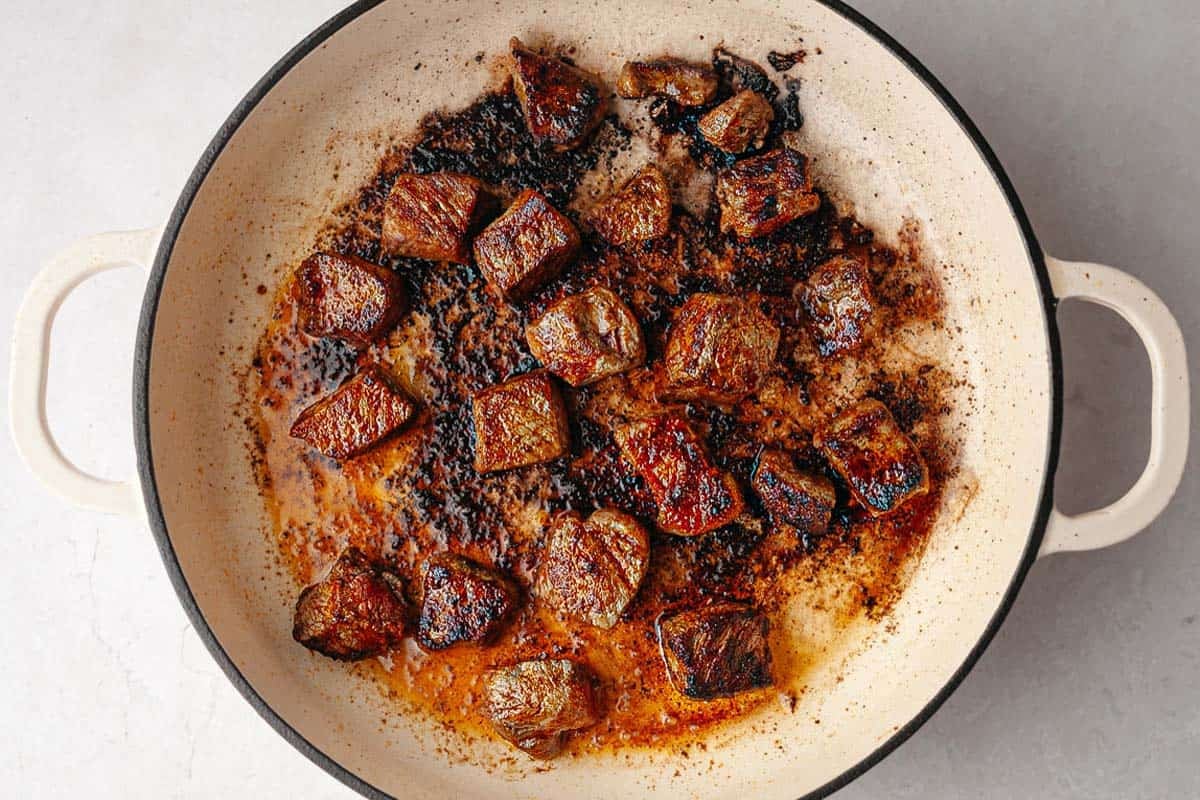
(537, 704)
(356, 416)
(519, 422)
(716, 651)
(591, 569)
(587, 336)
(562, 103)
(434, 216)
(793, 497)
(838, 300)
(462, 602)
(738, 124)
(762, 194)
(719, 348)
(526, 245)
(880, 464)
(692, 494)
(640, 210)
(686, 84)
(347, 298)
(357, 611)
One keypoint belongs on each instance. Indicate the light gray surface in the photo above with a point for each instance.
(1092, 688)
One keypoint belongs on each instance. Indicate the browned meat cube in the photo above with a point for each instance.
(526, 245)
(462, 602)
(537, 704)
(519, 422)
(719, 348)
(592, 569)
(357, 611)
(686, 84)
(838, 300)
(762, 194)
(347, 298)
(434, 216)
(562, 104)
(692, 494)
(358, 415)
(792, 496)
(587, 336)
(716, 651)
(641, 210)
(880, 464)
(741, 122)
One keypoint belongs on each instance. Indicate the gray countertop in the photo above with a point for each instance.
(1091, 689)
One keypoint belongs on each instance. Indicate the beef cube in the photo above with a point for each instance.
(463, 602)
(692, 494)
(592, 569)
(434, 216)
(562, 104)
(716, 651)
(587, 336)
(760, 195)
(802, 500)
(526, 245)
(640, 211)
(347, 298)
(738, 124)
(357, 611)
(719, 348)
(686, 84)
(879, 463)
(519, 422)
(536, 705)
(838, 301)
(356, 416)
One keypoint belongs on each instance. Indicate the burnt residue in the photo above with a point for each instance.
(782, 62)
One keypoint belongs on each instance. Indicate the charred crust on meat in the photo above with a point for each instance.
(356, 611)
(562, 103)
(740, 123)
(526, 245)
(358, 415)
(760, 195)
(685, 83)
(462, 601)
(800, 499)
(716, 651)
(348, 298)
(519, 422)
(839, 302)
(586, 337)
(434, 216)
(720, 348)
(640, 210)
(536, 705)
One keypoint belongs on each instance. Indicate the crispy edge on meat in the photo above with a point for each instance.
(760, 195)
(797, 498)
(348, 298)
(639, 211)
(358, 415)
(526, 245)
(838, 300)
(716, 651)
(434, 216)
(519, 422)
(586, 337)
(536, 705)
(880, 464)
(462, 601)
(356, 611)
(719, 348)
(738, 124)
(591, 569)
(562, 103)
(687, 84)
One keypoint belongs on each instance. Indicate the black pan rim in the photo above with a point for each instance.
(141, 396)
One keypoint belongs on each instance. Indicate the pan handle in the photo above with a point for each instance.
(31, 358)
(1170, 407)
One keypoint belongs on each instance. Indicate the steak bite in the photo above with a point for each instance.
(462, 602)
(738, 124)
(356, 416)
(838, 300)
(760, 195)
(526, 245)
(347, 298)
(591, 569)
(880, 464)
(537, 704)
(434, 216)
(639, 211)
(716, 651)
(587, 336)
(794, 497)
(357, 611)
(686, 84)
(519, 422)
(692, 494)
(719, 348)
(562, 103)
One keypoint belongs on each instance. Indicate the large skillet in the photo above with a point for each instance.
(886, 135)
